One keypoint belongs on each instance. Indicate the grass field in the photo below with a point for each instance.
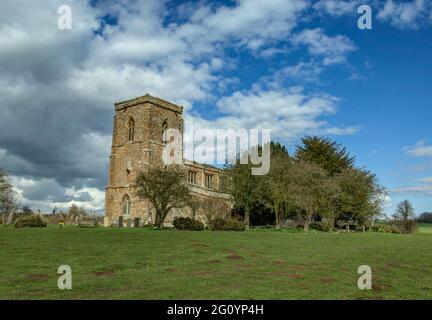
(127, 263)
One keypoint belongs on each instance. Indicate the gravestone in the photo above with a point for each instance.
(120, 221)
(136, 222)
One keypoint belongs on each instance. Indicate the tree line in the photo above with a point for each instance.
(10, 212)
(319, 182)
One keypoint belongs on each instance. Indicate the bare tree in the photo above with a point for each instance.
(360, 197)
(276, 182)
(404, 211)
(76, 214)
(213, 207)
(165, 188)
(404, 217)
(310, 190)
(7, 203)
(73, 214)
(246, 189)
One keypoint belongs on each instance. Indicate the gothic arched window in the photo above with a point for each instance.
(164, 132)
(126, 204)
(131, 129)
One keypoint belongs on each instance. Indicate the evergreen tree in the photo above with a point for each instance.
(328, 154)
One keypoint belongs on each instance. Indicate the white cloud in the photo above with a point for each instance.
(422, 187)
(253, 22)
(142, 37)
(425, 190)
(45, 194)
(181, 82)
(288, 113)
(420, 167)
(303, 71)
(337, 131)
(403, 14)
(337, 7)
(332, 49)
(420, 149)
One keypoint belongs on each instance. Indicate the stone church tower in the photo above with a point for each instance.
(137, 142)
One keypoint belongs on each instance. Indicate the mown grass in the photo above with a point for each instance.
(425, 227)
(128, 263)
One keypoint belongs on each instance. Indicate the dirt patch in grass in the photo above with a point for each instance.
(303, 286)
(255, 255)
(379, 287)
(204, 274)
(115, 267)
(214, 261)
(327, 280)
(199, 244)
(36, 292)
(104, 273)
(276, 273)
(228, 250)
(234, 257)
(295, 276)
(393, 264)
(285, 274)
(37, 276)
(171, 270)
(280, 262)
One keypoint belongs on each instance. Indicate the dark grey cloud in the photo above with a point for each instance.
(56, 134)
(44, 122)
(50, 190)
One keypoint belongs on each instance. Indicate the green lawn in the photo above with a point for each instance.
(123, 263)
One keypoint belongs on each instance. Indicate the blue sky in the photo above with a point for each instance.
(298, 67)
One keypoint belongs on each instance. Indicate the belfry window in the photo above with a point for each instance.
(164, 132)
(126, 205)
(131, 129)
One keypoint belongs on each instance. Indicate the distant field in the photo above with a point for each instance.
(123, 263)
(425, 228)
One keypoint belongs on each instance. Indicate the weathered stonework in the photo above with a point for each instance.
(148, 116)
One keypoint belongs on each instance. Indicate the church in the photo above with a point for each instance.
(137, 143)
